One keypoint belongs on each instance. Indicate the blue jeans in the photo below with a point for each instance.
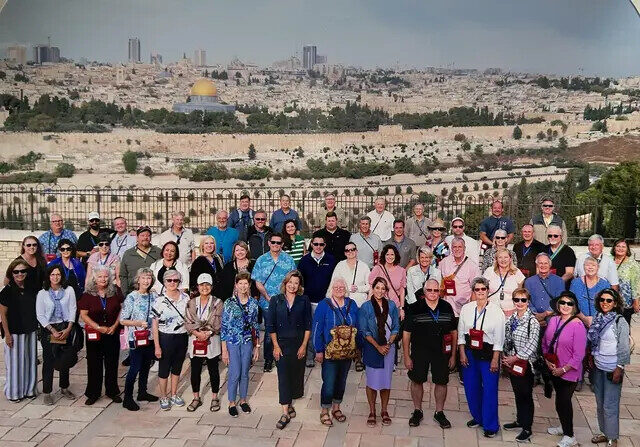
(268, 344)
(140, 359)
(334, 381)
(481, 389)
(238, 372)
(608, 402)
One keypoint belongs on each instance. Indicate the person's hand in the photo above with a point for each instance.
(463, 359)
(102, 329)
(302, 351)
(353, 288)
(558, 372)
(508, 361)
(256, 354)
(225, 357)
(543, 323)
(636, 306)
(56, 334)
(408, 363)
(401, 314)
(452, 362)
(65, 333)
(383, 349)
(618, 373)
(494, 367)
(142, 324)
(550, 365)
(94, 250)
(277, 353)
(111, 330)
(9, 341)
(158, 352)
(319, 357)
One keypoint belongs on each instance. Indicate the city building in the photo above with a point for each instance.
(309, 54)
(200, 58)
(17, 54)
(321, 59)
(134, 50)
(238, 69)
(46, 53)
(155, 58)
(204, 97)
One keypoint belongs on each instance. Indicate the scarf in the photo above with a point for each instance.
(381, 317)
(58, 311)
(598, 326)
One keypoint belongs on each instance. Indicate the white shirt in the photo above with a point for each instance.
(158, 287)
(120, 244)
(416, 279)
(607, 268)
(358, 276)
(170, 314)
(185, 240)
(511, 283)
(471, 247)
(381, 224)
(45, 306)
(493, 326)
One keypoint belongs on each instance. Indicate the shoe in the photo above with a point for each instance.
(490, 434)
(147, 397)
(524, 436)
(268, 366)
(612, 443)
(511, 426)
(177, 401)
(473, 423)
(566, 441)
(67, 393)
(416, 418)
(548, 389)
(130, 404)
(599, 439)
(245, 407)
(441, 419)
(126, 362)
(116, 399)
(165, 404)
(90, 401)
(557, 431)
(233, 411)
(48, 399)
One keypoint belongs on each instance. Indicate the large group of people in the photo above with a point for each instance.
(394, 290)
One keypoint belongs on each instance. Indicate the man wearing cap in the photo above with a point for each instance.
(88, 241)
(548, 217)
(417, 226)
(406, 247)
(142, 255)
(496, 221)
(50, 238)
(122, 240)
(472, 247)
(381, 219)
(225, 236)
(526, 251)
(182, 236)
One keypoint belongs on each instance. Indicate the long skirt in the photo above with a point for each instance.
(21, 369)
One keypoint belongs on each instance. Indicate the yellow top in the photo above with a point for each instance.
(204, 87)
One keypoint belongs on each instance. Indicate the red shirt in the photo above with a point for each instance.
(106, 316)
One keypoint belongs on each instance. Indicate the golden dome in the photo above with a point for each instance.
(204, 87)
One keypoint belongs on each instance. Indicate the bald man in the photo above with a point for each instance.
(224, 235)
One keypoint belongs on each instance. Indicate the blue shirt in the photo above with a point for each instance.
(234, 315)
(316, 275)
(327, 317)
(271, 273)
(138, 307)
(288, 322)
(241, 221)
(278, 219)
(542, 291)
(587, 298)
(224, 241)
(49, 241)
(492, 223)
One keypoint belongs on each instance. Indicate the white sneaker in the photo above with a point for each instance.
(566, 441)
(556, 431)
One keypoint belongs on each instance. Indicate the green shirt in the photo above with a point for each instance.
(297, 249)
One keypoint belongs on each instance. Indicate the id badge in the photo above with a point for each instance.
(449, 287)
(519, 367)
(447, 344)
(476, 338)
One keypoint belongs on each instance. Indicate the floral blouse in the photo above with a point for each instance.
(138, 307)
(629, 277)
(238, 320)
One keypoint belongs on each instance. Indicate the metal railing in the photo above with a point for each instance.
(30, 208)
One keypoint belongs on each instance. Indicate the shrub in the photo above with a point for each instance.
(130, 161)
(65, 170)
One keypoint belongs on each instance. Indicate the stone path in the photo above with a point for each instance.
(30, 423)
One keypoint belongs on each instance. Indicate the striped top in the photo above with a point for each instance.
(297, 249)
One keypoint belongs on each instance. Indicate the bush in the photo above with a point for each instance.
(148, 171)
(460, 137)
(65, 170)
(517, 133)
(130, 161)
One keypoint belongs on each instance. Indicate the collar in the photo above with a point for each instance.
(174, 233)
(398, 241)
(547, 277)
(317, 259)
(365, 236)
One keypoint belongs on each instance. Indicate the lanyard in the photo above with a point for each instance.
(514, 325)
(435, 316)
(67, 271)
(621, 262)
(553, 255)
(178, 236)
(525, 253)
(213, 264)
(342, 314)
(475, 317)
(103, 301)
(120, 244)
(201, 311)
(105, 260)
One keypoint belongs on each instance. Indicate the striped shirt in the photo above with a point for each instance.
(297, 249)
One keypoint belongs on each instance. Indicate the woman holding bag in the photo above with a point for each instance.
(522, 332)
(379, 324)
(204, 320)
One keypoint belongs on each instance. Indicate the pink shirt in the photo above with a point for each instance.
(463, 278)
(398, 276)
(570, 347)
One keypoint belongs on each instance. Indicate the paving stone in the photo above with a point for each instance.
(66, 427)
(78, 414)
(55, 440)
(188, 429)
(20, 434)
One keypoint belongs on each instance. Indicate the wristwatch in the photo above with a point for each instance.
(620, 366)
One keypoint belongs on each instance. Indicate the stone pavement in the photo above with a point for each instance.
(30, 423)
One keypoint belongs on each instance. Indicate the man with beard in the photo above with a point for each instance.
(142, 255)
(88, 241)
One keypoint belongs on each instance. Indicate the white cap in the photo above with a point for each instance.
(204, 278)
(93, 215)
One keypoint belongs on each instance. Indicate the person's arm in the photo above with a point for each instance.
(568, 273)
(262, 290)
(579, 340)
(485, 240)
(84, 315)
(123, 275)
(89, 272)
(8, 339)
(156, 338)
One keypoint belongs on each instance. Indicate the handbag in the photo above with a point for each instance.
(447, 343)
(200, 347)
(448, 287)
(92, 334)
(519, 367)
(343, 339)
(141, 338)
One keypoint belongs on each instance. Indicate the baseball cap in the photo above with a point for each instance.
(204, 278)
(93, 215)
(142, 229)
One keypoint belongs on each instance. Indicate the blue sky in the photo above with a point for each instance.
(542, 36)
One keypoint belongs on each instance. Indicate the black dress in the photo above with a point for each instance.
(202, 265)
(227, 280)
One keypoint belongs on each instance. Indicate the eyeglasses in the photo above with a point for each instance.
(431, 290)
(103, 244)
(438, 229)
(457, 226)
(519, 300)
(275, 242)
(172, 280)
(318, 244)
(547, 206)
(349, 250)
(602, 300)
(566, 303)
(57, 221)
(94, 220)
(65, 249)
(259, 219)
(501, 237)
(479, 289)
(19, 272)
(553, 236)
(30, 245)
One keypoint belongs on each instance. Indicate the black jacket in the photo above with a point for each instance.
(257, 245)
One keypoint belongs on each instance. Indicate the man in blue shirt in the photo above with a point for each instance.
(496, 221)
(268, 273)
(224, 235)
(283, 214)
(543, 288)
(50, 238)
(242, 217)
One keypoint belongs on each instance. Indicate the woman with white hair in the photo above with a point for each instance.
(499, 241)
(100, 307)
(170, 336)
(420, 273)
(586, 288)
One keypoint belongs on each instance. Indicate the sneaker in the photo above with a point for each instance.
(48, 399)
(490, 434)
(511, 426)
(66, 392)
(165, 404)
(268, 366)
(416, 418)
(566, 441)
(524, 436)
(177, 401)
(612, 443)
(130, 404)
(233, 411)
(556, 431)
(441, 419)
(147, 397)
(473, 423)
(245, 407)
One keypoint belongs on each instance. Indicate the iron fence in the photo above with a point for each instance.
(30, 207)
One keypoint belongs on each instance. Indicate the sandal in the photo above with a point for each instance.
(386, 420)
(371, 420)
(325, 419)
(282, 423)
(195, 404)
(599, 439)
(338, 416)
(215, 404)
(292, 412)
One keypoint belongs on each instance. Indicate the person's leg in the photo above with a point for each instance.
(284, 371)
(111, 357)
(341, 382)
(489, 397)
(147, 355)
(564, 407)
(245, 353)
(233, 372)
(135, 363)
(329, 373)
(384, 400)
(523, 392)
(196, 372)
(473, 387)
(94, 369)
(440, 393)
(611, 406)
(417, 394)
(598, 390)
(371, 398)
(177, 362)
(47, 363)
(214, 375)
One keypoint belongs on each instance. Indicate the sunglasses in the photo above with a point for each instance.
(94, 220)
(19, 272)
(602, 300)
(431, 290)
(457, 226)
(349, 250)
(501, 237)
(547, 206)
(30, 245)
(519, 300)
(65, 249)
(172, 280)
(566, 303)
(479, 289)
(438, 229)
(103, 244)
(318, 244)
(275, 242)
(553, 236)
(259, 219)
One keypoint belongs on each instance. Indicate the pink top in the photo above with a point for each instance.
(570, 347)
(398, 276)
(463, 278)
